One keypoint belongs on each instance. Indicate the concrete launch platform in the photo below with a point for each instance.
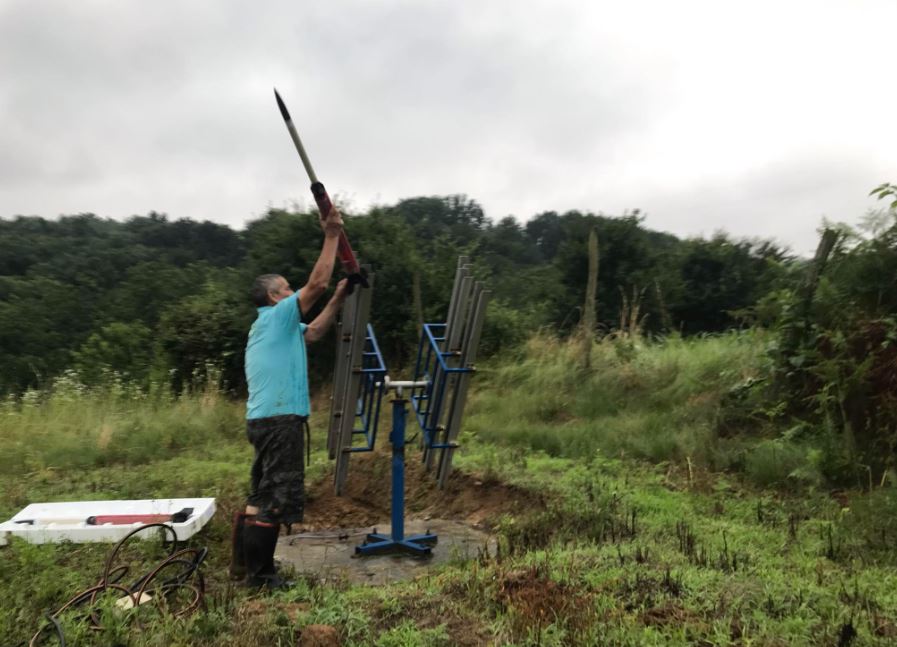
(330, 554)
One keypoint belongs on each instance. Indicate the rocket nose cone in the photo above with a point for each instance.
(280, 104)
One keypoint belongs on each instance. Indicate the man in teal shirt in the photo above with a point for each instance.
(278, 407)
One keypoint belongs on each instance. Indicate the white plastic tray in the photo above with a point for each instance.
(58, 522)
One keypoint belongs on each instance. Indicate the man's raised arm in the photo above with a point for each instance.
(320, 275)
(317, 328)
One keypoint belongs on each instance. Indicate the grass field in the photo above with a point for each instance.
(639, 531)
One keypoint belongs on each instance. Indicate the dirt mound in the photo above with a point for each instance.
(319, 636)
(367, 496)
(536, 600)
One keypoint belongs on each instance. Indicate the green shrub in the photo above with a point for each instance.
(780, 462)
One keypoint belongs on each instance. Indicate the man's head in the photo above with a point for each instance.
(268, 289)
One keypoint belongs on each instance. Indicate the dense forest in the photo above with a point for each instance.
(162, 299)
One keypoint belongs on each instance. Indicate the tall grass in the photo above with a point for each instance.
(653, 401)
(657, 401)
(70, 425)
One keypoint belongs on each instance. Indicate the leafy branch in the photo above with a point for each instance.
(884, 191)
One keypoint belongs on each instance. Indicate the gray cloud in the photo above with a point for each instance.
(708, 118)
(787, 200)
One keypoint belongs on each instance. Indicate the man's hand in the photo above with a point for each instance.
(333, 223)
(339, 295)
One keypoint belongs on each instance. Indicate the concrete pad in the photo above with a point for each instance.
(330, 554)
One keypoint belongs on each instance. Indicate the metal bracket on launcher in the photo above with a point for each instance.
(446, 357)
(357, 370)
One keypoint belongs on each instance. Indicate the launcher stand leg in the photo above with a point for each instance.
(396, 542)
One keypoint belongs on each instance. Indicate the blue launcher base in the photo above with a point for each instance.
(377, 544)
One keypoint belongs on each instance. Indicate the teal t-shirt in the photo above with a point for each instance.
(276, 365)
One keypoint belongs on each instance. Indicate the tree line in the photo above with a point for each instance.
(154, 299)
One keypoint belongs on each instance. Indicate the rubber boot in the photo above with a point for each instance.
(259, 543)
(237, 557)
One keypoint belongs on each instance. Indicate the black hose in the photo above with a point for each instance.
(189, 577)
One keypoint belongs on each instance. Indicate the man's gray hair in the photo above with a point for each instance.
(260, 288)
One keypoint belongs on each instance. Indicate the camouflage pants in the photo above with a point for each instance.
(277, 480)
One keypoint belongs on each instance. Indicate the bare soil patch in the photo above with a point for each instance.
(319, 636)
(366, 499)
(536, 601)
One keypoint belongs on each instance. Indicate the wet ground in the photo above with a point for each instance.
(330, 554)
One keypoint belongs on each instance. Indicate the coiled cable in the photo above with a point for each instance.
(186, 577)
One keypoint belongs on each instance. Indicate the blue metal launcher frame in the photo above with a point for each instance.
(367, 410)
(429, 397)
(432, 367)
(374, 383)
(445, 356)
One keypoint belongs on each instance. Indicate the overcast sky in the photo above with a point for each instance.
(758, 118)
